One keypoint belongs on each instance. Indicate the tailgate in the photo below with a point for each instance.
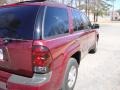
(15, 57)
(16, 33)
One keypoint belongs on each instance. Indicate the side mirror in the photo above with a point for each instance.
(95, 26)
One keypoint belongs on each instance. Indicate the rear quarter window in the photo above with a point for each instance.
(17, 22)
(86, 21)
(56, 22)
(77, 20)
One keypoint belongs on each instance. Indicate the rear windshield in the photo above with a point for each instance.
(18, 22)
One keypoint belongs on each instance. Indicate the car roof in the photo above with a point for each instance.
(36, 3)
(39, 3)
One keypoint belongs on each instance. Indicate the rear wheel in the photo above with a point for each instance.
(70, 75)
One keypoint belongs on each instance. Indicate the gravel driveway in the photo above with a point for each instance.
(101, 71)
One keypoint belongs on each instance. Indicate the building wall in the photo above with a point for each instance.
(2, 2)
(13, 1)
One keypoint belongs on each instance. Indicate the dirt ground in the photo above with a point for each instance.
(101, 71)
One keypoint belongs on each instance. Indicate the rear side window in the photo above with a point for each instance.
(17, 22)
(77, 20)
(56, 22)
(86, 21)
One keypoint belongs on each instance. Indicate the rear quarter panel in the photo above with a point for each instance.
(61, 49)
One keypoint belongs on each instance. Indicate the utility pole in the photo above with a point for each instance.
(113, 1)
(86, 7)
(79, 4)
(63, 1)
(94, 11)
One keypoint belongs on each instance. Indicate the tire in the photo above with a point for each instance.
(70, 75)
(94, 50)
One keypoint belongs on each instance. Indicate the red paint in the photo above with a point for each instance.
(61, 49)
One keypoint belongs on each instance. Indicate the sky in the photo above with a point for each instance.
(117, 4)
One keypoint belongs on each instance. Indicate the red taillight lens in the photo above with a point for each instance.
(41, 59)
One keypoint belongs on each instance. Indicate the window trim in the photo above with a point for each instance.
(38, 24)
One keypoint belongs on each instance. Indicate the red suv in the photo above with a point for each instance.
(42, 44)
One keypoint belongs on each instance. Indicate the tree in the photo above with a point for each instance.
(99, 8)
(113, 5)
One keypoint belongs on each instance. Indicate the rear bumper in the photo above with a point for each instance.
(34, 81)
(37, 82)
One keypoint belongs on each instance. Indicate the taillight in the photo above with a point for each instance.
(41, 57)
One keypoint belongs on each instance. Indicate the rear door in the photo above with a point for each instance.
(80, 31)
(16, 37)
(90, 32)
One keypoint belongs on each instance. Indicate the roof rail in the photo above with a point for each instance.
(32, 1)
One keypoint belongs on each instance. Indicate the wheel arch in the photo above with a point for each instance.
(77, 56)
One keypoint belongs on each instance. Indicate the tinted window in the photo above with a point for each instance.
(17, 22)
(56, 21)
(77, 21)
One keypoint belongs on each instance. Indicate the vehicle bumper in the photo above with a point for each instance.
(37, 82)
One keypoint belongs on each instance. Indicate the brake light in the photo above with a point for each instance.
(41, 57)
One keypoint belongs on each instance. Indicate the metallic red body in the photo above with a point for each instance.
(61, 48)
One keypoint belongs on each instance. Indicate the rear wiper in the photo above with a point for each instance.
(13, 39)
(9, 40)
